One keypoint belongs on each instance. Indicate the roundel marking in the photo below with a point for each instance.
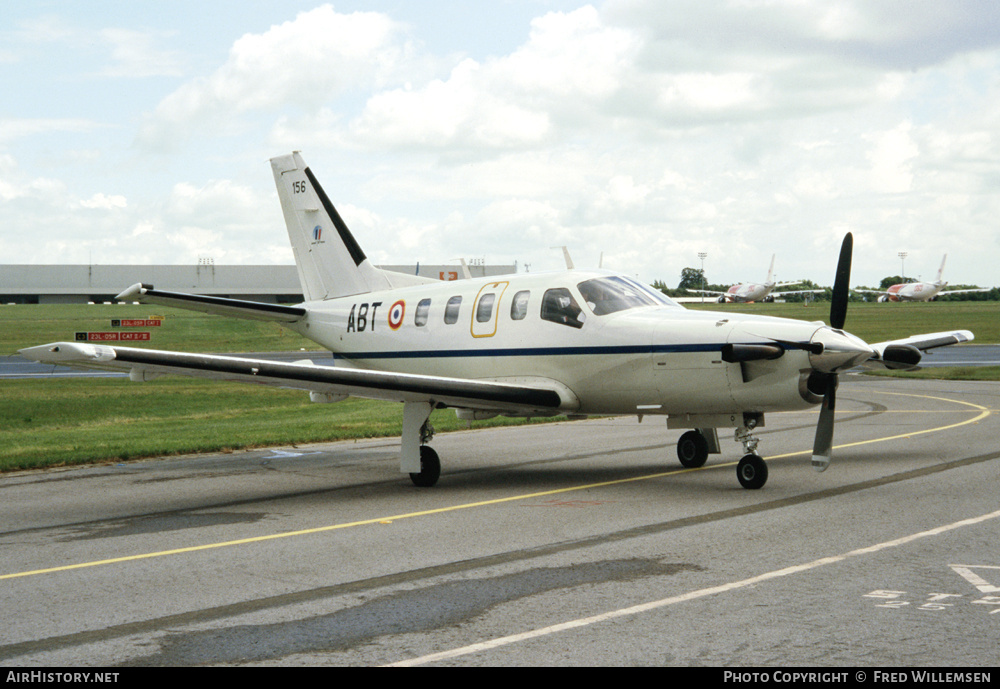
(396, 313)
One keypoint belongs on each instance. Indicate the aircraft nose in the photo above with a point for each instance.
(838, 350)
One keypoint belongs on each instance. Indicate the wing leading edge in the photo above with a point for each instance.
(146, 364)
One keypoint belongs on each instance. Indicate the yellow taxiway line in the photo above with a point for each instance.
(983, 413)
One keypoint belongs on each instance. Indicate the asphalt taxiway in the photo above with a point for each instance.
(576, 543)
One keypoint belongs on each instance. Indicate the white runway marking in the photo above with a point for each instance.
(702, 593)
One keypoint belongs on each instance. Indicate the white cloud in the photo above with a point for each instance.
(645, 130)
(136, 54)
(304, 63)
(105, 202)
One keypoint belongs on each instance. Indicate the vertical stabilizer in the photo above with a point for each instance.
(941, 269)
(770, 272)
(330, 261)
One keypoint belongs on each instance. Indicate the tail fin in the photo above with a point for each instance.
(770, 271)
(941, 269)
(330, 262)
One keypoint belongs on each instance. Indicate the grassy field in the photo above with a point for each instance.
(65, 421)
(186, 331)
(874, 322)
(62, 421)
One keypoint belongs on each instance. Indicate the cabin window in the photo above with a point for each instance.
(423, 308)
(559, 306)
(519, 307)
(451, 310)
(484, 311)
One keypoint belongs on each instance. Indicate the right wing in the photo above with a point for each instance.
(146, 364)
(906, 353)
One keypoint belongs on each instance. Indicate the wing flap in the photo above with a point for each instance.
(145, 364)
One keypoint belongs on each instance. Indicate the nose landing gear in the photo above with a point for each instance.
(751, 470)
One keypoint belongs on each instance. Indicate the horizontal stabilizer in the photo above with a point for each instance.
(237, 308)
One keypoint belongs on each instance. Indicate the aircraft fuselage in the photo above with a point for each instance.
(651, 357)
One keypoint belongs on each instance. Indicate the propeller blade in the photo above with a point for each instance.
(841, 284)
(823, 443)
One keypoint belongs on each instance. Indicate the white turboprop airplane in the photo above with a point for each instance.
(919, 291)
(576, 342)
(755, 292)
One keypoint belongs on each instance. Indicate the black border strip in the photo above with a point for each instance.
(345, 234)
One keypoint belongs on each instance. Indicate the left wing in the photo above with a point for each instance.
(146, 364)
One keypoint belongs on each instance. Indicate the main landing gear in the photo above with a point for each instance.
(416, 458)
(693, 449)
(430, 468)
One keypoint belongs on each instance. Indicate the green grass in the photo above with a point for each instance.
(945, 373)
(55, 422)
(187, 331)
(65, 421)
(874, 322)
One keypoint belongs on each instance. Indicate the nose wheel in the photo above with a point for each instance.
(752, 472)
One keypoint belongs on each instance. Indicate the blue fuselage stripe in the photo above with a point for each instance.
(530, 351)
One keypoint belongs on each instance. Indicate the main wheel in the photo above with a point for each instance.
(692, 450)
(752, 472)
(430, 468)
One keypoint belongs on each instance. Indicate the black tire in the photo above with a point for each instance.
(430, 468)
(752, 472)
(692, 450)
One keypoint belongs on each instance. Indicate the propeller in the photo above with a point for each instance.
(823, 442)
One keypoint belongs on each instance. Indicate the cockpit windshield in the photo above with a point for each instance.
(612, 294)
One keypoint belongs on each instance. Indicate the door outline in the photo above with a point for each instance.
(488, 328)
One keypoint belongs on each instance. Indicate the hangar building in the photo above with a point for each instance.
(78, 284)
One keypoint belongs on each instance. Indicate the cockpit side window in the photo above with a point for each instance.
(613, 294)
(559, 306)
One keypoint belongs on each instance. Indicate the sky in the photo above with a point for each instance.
(637, 133)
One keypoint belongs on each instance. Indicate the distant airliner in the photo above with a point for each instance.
(755, 292)
(919, 291)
